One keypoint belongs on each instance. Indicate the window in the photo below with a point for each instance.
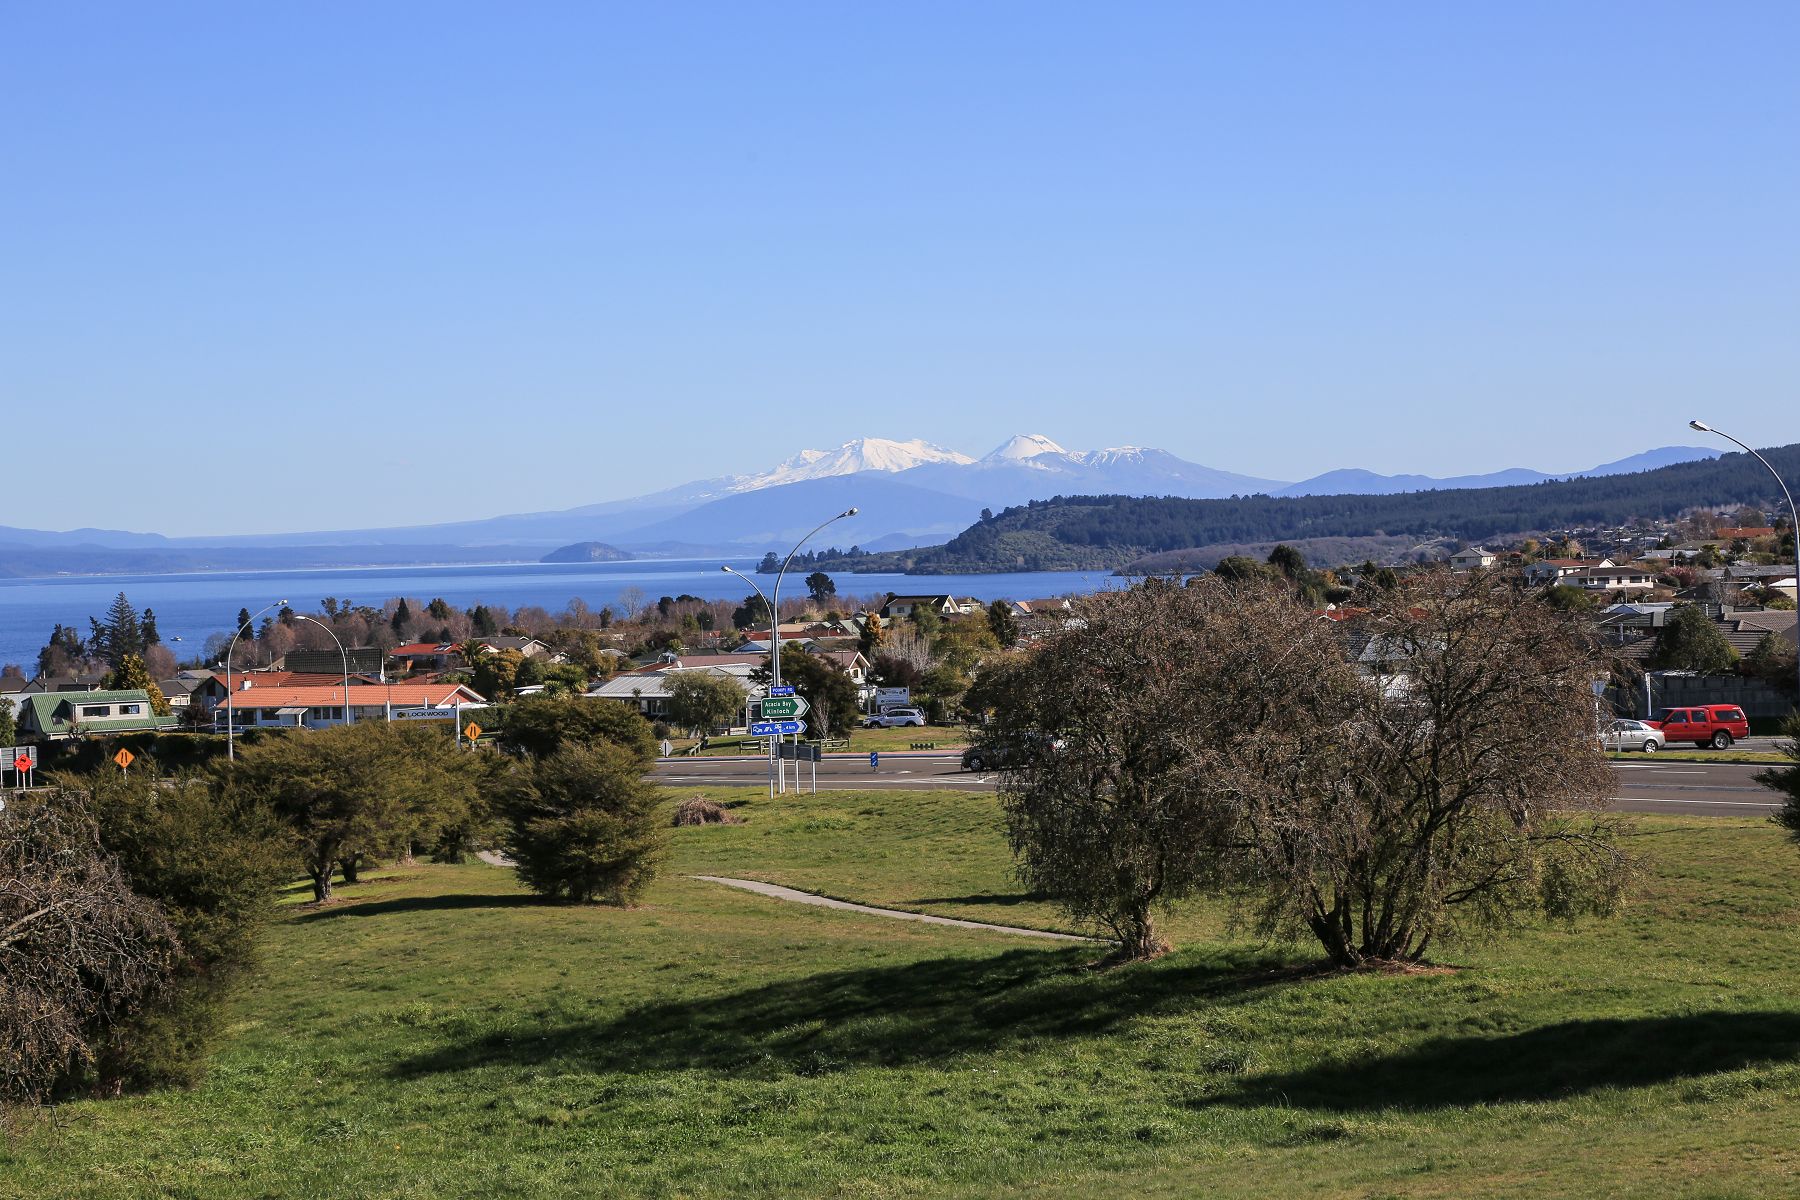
(131, 710)
(96, 710)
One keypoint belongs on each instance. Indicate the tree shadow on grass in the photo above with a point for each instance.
(1005, 900)
(1547, 1063)
(411, 904)
(877, 1016)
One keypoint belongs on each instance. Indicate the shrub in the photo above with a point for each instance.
(540, 725)
(581, 824)
(698, 810)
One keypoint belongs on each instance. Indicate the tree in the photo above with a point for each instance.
(869, 641)
(538, 726)
(79, 950)
(119, 634)
(769, 564)
(1787, 779)
(493, 673)
(1772, 661)
(753, 612)
(820, 587)
(1691, 641)
(699, 700)
(212, 866)
(1570, 599)
(130, 675)
(830, 696)
(1095, 730)
(1004, 625)
(9, 726)
(147, 628)
(582, 824)
(353, 793)
(402, 618)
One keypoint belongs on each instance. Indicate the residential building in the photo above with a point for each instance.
(318, 706)
(1475, 558)
(1548, 571)
(1614, 579)
(54, 715)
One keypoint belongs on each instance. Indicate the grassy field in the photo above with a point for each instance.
(1691, 754)
(442, 1035)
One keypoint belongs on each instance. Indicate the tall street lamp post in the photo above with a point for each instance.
(1793, 516)
(774, 603)
(348, 718)
(773, 761)
(231, 696)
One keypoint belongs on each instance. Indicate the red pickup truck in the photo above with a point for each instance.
(1715, 725)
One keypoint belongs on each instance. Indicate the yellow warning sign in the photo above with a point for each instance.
(124, 758)
(472, 731)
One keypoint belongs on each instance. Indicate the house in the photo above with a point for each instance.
(81, 681)
(1744, 532)
(317, 706)
(52, 715)
(426, 656)
(1548, 571)
(648, 689)
(1614, 579)
(1475, 558)
(529, 647)
(362, 660)
(1047, 607)
(898, 607)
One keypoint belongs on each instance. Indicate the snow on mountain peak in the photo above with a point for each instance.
(859, 454)
(1022, 446)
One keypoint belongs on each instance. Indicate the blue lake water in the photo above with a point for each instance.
(193, 606)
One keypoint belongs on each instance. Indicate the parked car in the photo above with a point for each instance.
(1634, 735)
(985, 758)
(894, 718)
(1715, 725)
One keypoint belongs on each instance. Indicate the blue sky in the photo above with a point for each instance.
(512, 258)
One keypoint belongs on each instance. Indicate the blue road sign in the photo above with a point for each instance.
(874, 760)
(775, 728)
(783, 690)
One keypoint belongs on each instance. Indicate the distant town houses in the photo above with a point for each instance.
(62, 714)
(320, 705)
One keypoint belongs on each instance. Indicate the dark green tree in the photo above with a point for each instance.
(581, 824)
(753, 612)
(402, 617)
(131, 675)
(1005, 626)
(1692, 641)
(820, 587)
(147, 627)
(698, 700)
(9, 728)
(830, 696)
(119, 634)
(538, 726)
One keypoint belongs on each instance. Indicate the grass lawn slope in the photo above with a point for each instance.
(440, 1034)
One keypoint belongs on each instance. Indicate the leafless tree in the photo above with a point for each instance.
(78, 950)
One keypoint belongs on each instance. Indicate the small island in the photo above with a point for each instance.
(580, 552)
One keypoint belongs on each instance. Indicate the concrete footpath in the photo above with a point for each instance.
(778, 892)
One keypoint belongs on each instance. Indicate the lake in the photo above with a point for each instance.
(193, 606)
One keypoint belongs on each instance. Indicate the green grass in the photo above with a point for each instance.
(1692, 754)
(442, 1035)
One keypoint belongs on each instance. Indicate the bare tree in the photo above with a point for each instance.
(78, 950)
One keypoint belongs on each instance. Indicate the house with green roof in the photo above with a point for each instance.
(68, 714)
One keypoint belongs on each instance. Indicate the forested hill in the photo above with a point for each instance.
(1093, 532)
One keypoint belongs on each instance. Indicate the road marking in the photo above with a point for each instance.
(1709, 803)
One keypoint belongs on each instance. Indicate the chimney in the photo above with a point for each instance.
(246, 686)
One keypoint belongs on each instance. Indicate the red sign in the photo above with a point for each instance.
(22, 763)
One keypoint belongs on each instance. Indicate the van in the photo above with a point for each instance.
(1715, 725)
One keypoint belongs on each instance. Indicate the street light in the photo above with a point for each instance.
(775, 617)
(348, 719)
(1793, 516)
(230, 696)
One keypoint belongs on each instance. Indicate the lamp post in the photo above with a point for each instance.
(348, 719)
(231, 696)
(773, 761)
(1793, 516)
(775, 620)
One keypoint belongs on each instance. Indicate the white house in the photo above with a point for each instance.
(1473, 559)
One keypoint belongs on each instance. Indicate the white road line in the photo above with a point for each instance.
(1710, 803)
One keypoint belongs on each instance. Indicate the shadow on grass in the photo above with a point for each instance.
(1540, 1064)
(410, 904)
(1006, 900)
(877, 1016)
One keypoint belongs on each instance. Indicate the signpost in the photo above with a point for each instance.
(22, 763)
(774, 728)
(471, 731)
(124, 758)
(781, 689)
(784, 708)
(804, 754)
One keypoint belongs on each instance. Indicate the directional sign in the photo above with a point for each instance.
(780, 708)
(774, 728)
(782, 690)
(471, 731)
(124, 758)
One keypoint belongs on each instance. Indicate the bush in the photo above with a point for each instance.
(701, 811)
(582, 824)
(539, 726)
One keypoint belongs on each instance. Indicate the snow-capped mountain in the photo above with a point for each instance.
(1023, 448)
(862, 454)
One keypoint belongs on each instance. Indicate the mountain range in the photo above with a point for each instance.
(908, 493)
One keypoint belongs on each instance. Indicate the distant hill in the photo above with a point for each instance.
(1354, 481)
(582, 552)
(1111, 532)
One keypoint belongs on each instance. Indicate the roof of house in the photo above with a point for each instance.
(44, 709)
(1745, 531)
(408, 695)
(421, 649)
(256, 680)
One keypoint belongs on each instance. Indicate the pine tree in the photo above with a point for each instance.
(243, 621)
(871, 638)
(119, 635)
(402, 617)
(1001, 621)
(147, 627)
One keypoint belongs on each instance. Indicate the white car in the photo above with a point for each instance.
(1633, 735)
(894, 718)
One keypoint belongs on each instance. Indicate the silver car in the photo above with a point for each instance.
(1634, 735)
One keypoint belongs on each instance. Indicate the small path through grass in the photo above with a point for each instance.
(798, 897)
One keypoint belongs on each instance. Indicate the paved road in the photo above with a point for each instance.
(1699, 789)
